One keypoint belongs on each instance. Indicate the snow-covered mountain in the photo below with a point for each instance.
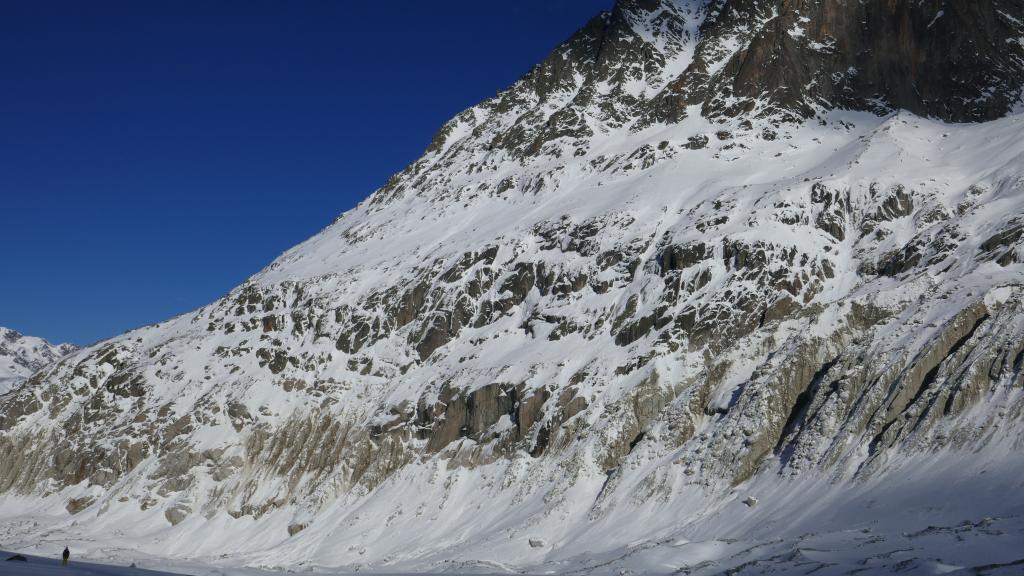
(718, 282)
(21, 356)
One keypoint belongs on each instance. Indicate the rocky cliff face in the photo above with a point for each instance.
(959, 61)
(21, 356)
(696, 247)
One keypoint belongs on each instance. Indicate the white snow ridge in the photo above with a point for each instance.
(696, 295)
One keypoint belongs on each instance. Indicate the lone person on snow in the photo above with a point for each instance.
(65, 556)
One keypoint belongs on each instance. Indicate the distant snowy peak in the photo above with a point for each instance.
(21, 356)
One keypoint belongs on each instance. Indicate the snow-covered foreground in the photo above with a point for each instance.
(44, 566)
(972, 546)
(938, 513)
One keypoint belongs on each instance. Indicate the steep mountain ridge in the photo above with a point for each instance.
(637, 278)
(954, 60)
(22, 355)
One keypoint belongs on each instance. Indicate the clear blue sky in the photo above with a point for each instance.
(154, 154)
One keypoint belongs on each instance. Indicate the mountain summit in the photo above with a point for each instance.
(957, 61)
(715, 283)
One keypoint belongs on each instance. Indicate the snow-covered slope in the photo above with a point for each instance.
(21, 356)
(651, 279)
